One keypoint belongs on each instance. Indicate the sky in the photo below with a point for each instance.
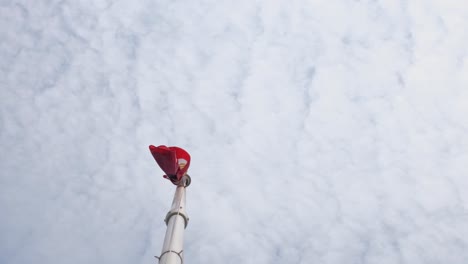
(320, 131)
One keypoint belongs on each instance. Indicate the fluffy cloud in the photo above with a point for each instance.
(329, 132)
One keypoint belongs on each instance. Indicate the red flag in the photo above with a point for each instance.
(174, 161)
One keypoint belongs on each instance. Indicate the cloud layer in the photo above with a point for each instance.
(320, 131)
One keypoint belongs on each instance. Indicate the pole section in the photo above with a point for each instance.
(176, 221)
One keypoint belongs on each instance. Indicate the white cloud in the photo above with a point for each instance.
(330, 132)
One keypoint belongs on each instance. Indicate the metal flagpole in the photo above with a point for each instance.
(176, 221)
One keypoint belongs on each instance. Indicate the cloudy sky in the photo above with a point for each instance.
(320, 131)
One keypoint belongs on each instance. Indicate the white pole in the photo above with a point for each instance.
(176, 221)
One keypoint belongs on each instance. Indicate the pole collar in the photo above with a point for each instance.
(171, 251)
(170, 214)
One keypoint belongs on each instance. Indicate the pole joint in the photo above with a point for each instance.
(172, 213)
(172, 251)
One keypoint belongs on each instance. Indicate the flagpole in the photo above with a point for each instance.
(176, 221)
